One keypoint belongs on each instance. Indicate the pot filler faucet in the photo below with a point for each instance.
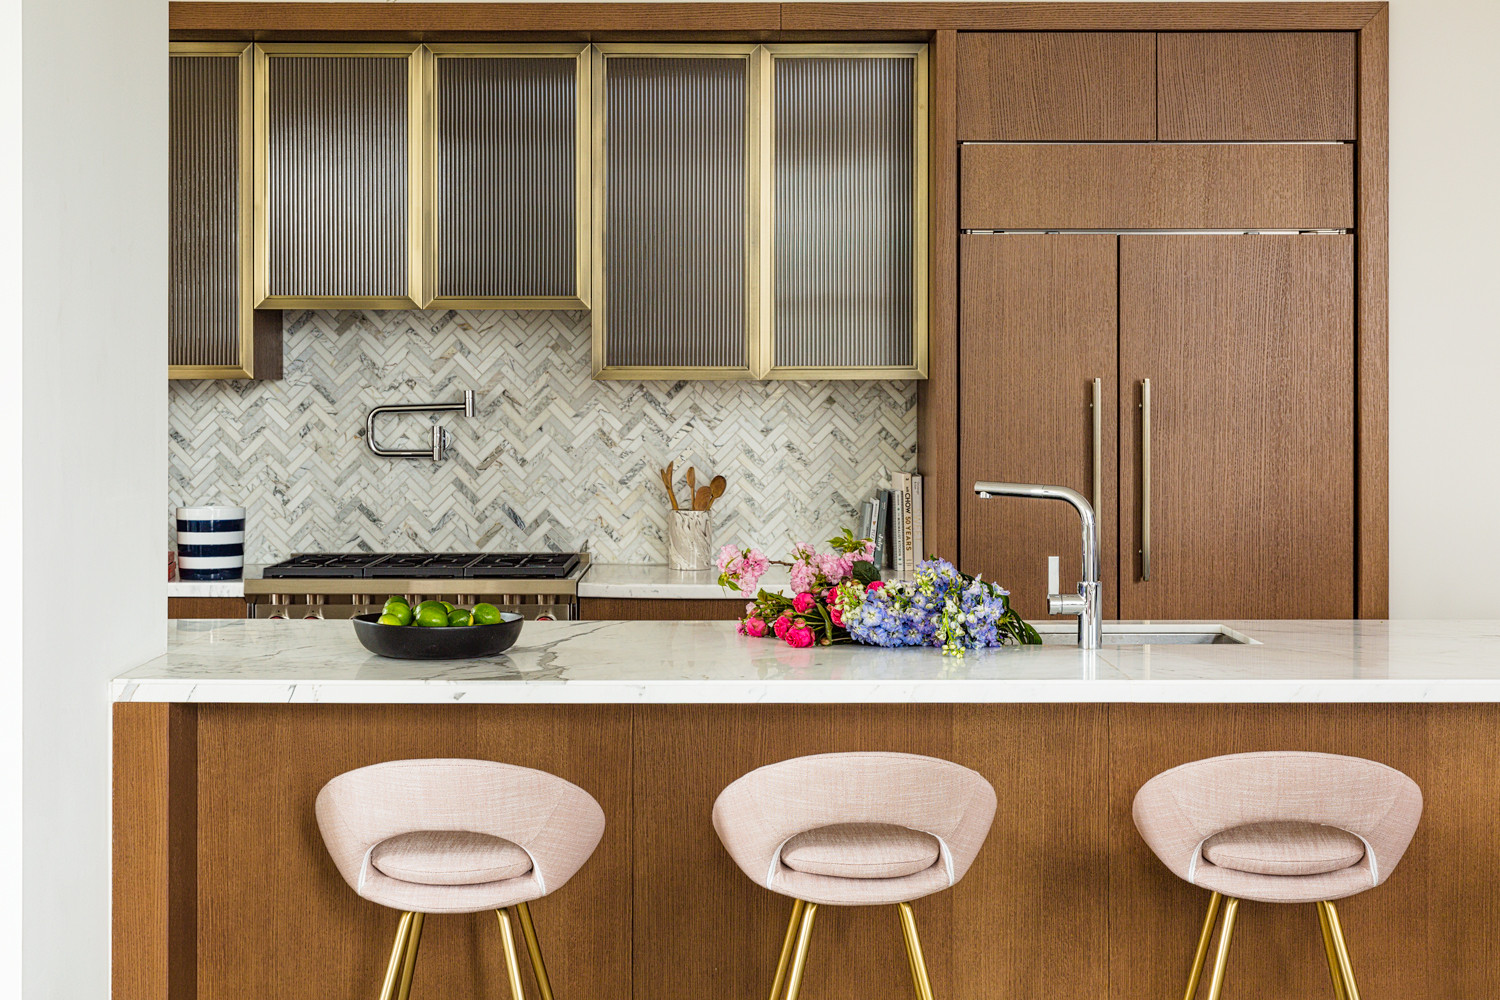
(1085, 604)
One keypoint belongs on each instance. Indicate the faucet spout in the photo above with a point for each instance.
(1086, 605)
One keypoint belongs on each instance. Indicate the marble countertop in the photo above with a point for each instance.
(625, 580)
(214, 588)
(707, 662)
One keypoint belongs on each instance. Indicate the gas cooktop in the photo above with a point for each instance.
(426, 566)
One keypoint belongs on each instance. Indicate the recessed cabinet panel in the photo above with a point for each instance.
(675, 212)
(339, 174)
(510, 176)
(212, 328)
(848, 176)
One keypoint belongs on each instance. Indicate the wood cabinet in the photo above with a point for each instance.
(1056, 86)
(339, 173)
(207, 607)
(509, 187)
(1234, 86)
(1038, 321)
(213, 328)
(1248, 343)
(660, 609)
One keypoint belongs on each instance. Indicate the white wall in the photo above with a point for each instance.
(1445, 308)
(93, 447)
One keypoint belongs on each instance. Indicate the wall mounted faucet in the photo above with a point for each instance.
(439, 434)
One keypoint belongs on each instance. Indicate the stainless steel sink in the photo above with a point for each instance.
(1064, 634)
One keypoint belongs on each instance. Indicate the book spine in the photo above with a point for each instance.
(899, 548)
(866, 521)
(907, 538)
(882, 526)
(919, 549)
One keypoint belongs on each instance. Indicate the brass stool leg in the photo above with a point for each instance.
(1201, 955)
(1346, 968)
(799, 959)
(786, 948)
(512, 964)
(1221, 958)
(538, 967)
(409, 963)
(914, 952)
(1333, 956)
(398, 956)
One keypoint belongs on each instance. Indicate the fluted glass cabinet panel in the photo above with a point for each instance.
(510, 176)
(210, 317)
(848, 245)
(676, 210)
(340, 175)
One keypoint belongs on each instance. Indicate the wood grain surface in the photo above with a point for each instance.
(975, 15)
(1256, 85)
(1039, 319)
(1143, 186)
(1068, 86)
(207, 607)
(1371, 250)
(1249, 345)
(328, 18)
(659, 609)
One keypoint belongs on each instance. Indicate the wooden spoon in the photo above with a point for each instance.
(692, 485)
(715, 489)
(666, 479)
(703, 499)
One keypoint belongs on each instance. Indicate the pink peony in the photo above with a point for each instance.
(836, 615)
(780, 626)
(754, 628)
(803, 603)
(874, 586)
(799, 636)
(804, 576)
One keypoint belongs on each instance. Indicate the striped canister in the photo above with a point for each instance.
(210, 543)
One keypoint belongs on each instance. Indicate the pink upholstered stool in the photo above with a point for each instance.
(1281, 827)
(457, 836)
(854, 829)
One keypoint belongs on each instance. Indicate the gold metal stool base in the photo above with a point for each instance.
(1339, 966)
(793, 961)
(398, 972)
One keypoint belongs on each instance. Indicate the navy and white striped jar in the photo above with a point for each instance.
(210, 543)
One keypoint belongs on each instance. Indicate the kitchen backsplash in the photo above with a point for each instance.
(554, 460)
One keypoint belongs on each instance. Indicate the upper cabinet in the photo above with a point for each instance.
(213, 330)
(509, 183)
(760, 211)
(1056, 86)
(1255, 86)
(338, 175)
(676, 205)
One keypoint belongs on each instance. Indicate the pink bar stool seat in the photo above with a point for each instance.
(854, 829)
(456, 836)
(1279, 827)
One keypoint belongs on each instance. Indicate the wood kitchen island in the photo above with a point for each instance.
(223, 888)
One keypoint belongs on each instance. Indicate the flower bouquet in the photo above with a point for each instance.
(839, 597)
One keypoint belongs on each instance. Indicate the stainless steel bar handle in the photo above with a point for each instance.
(1145, 479)
(1098, 407)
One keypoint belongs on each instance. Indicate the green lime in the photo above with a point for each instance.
(389, 619)
(430, 604)
(446, 606)
(431, 617)
(485, 614)
(458, 616)
(395, 599)
(400, 612)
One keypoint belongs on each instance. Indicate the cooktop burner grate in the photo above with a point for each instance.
(426, 565)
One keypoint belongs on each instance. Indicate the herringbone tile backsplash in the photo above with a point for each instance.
(554, 461)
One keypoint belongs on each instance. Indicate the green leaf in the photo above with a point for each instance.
(865, 572)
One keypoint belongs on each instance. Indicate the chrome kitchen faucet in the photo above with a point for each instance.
(1084, 604)
(439, 434)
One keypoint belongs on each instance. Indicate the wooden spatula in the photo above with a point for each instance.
(692, 484)
(666, 480)
(703, 499)
(715, 489)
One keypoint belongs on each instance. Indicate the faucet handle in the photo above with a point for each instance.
(1066, 604)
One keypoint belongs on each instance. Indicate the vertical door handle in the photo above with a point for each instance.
(1098, 407)
(1145, 479)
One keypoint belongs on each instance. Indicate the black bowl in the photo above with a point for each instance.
(460, 642)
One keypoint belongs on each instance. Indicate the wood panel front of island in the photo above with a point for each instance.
(223, 888)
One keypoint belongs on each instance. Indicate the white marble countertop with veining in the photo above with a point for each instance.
(708, 662)
(214, 588)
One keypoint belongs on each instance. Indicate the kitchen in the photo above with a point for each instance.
(1139, 253)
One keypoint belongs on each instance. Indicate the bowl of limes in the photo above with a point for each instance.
(437, 630)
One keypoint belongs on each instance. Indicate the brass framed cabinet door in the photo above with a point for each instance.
(1036, 330)
(846, 285)
(213, 329)
(339, 175)
(509, 176)
(1237, 460)
(676, 211)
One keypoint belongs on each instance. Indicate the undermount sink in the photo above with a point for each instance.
(1064, 634)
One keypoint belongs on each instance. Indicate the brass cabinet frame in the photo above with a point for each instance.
(419, 86)
(245, 320)
(581, 53)
(917, 53)
(754, 85)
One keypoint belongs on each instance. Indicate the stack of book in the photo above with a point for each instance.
(893, 518)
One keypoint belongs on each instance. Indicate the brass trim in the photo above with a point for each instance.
(919, 979)
(602, 52)
(512, 964)
(417, 86)
(921, 198)
(581, 53)
(245, 321)
(787, 944)
(534, 949)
